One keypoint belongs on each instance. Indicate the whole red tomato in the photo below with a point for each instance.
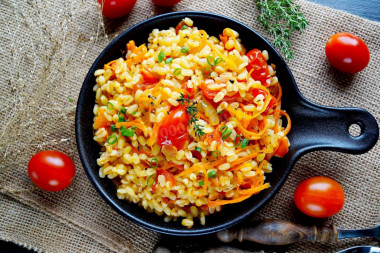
(51, 170)
(259, 67)
(173, 130)
(319, 197)
(166, 2)
(347, 52)
(116, 8)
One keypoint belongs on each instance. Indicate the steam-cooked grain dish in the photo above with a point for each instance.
(189, 122)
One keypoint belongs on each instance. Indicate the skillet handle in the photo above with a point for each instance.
(317, 127)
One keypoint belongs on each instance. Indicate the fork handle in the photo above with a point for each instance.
(278, 232)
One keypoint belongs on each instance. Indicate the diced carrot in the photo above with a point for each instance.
(101, 120)
(283, 147)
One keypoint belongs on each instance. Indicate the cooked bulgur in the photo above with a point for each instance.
(188, 122)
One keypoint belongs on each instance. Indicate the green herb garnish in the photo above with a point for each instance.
(184, 27)
(215, 153)
(112, 139)
(169, 60)
(154, 163)
(113, 128)
(127, 132)
(177, 71)
(70, 99)
(244, 143)
(161, 56)
(201, 183)
(280, 18)
(212, 174)
(184, 50)
(192, 111)
(109, 106)
(206, 72)
(198, 149)
(151, 179)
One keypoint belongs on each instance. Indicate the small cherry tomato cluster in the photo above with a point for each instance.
(120, 8)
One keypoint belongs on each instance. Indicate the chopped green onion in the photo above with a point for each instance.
(206, 72)
(112, 139)
(113, 128)
(134, 113)
(218, 60)
(121, 119)
(211, 61)
(109, 106)
(70, 99)
(161, 56)
(201, 183)
(154, 165)
(184, 27)
(150, 182)
(244, 143)
(198, 149)
(123, 110)
(169, 60)
(239, 141)
(127, 132)
(226, 134)
(211, 174)
(216, 153)
(184, 50)
(177, 71)
(223, 128)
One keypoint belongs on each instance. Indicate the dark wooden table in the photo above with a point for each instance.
(364, 8)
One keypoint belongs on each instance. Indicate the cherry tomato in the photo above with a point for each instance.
(51, 170)
(347, 52)
(173, 130)
(257, 62)
(166, 2)
(116, 8)
(210, 94)
(272, 102)
(319, 197)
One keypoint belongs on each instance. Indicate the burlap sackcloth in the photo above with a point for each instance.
(46, 49)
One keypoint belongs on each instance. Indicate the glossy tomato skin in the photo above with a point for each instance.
(166, 2)
(258, 67)
(319, 197)
(347, 52)
(173, 130)
(51, 170)
(116, 8)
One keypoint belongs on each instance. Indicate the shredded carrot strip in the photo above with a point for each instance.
(154, 134)
(251, 135)
(238, 167)
(289, 125)
(255, 189)
(225, 202)
(279, 95)
(243, 159)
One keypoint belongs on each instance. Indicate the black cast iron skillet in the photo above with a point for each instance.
(314, 127)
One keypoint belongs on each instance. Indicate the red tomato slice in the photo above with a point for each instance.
(51, 170)
(173, 131)
(257, 63)
(210, 94)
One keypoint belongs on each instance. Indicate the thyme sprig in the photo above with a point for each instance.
(280, 18)
(192, 111)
